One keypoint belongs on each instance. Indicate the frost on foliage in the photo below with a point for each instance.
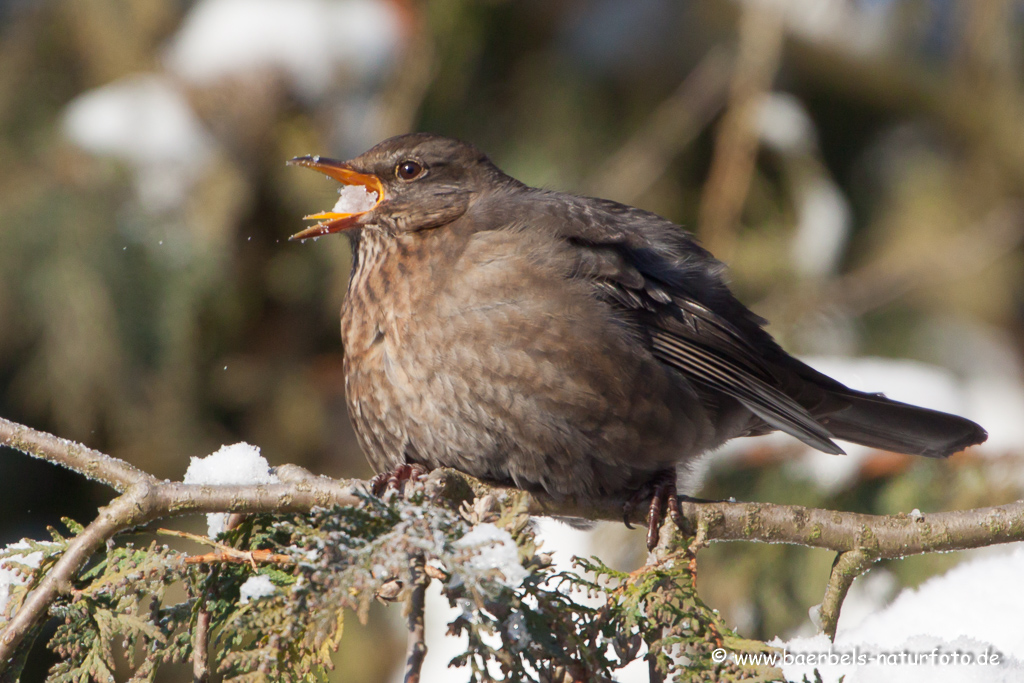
(521, 619)
(9, 574)
(494, 557)
(256, 587)
(238, 463)
(17, 562)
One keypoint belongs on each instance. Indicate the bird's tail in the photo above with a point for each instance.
(878, 422)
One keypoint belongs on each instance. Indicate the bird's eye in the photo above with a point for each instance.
(409, 170)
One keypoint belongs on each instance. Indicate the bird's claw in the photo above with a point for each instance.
(663, 494)
(393, 479)
(639, 496)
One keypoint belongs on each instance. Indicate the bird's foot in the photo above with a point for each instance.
(394, 479)
(662, 492)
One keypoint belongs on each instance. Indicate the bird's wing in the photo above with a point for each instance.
(691, 336)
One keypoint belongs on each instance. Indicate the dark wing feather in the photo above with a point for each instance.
(689, 336)
(760, 398)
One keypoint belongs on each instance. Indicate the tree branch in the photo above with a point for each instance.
(225, 554)
(417, 632)
(201, 648)
(146, 498)
(94, 465)
(847, 567)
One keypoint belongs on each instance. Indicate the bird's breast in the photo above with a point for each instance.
(489, 357)
(387, 329)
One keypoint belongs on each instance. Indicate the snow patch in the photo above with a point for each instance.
(823, 226)
(857, 27)
(784, 124)
(145, 121)
(256, 587)
(310, 41)
(997, 403)
(237, 464)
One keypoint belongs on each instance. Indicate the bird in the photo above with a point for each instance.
(564, 344)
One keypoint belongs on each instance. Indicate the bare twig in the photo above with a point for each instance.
(761, 32)
(847, 567)
(226, 554)
(97, 466)
(200, 648)
(232, 556)
(677, 121)
(417, 633)
(652, 671)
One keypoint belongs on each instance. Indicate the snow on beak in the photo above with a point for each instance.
(352, 204)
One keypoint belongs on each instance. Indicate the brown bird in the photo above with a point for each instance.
(566, 344)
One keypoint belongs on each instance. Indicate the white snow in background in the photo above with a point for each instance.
(823, 214)
(823, 224)
(494, 549)
(784, 124)
(858, 27)
(308, 40)
(256, 587)
(141, 118)
(437, 614)
(989, 361)
(145, 121)
(354, 199)
(975, 608)
(997, 404)
(9, 577)
(237, 464)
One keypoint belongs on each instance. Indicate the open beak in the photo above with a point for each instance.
(330, 221)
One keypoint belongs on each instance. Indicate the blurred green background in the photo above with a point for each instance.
(858, 163)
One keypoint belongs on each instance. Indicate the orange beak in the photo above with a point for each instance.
(345, 174)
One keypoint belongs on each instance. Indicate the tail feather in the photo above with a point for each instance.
(878, 422)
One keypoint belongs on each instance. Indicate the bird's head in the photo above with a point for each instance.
(412, 182)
